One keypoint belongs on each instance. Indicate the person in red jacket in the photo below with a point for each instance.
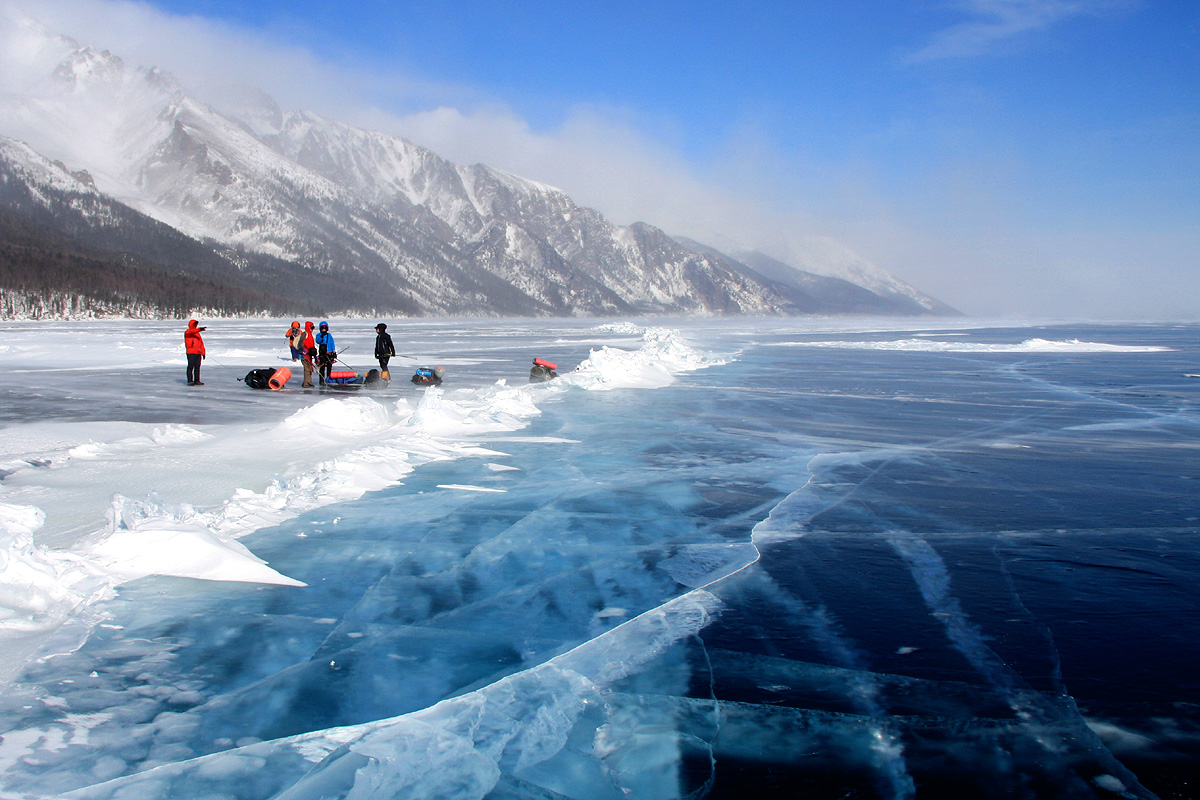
(194, 346)
(309, 350)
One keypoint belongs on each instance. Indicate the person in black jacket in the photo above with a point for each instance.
(384, 349)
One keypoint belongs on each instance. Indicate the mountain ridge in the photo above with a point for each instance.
(368, 207)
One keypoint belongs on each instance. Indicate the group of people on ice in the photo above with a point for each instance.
(315, 351)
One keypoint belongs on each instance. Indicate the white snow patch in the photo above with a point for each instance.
(1027, 346)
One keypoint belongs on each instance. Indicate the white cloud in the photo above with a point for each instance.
(211, 57)
(995, 23)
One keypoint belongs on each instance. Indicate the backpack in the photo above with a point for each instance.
(259, 378)
(542, 370)
(425, 376)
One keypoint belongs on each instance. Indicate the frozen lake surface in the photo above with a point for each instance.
(720, 558)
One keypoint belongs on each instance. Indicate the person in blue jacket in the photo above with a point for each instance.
(326, 351)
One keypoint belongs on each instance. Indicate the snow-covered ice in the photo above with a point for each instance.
(128, 499)
(712, 558)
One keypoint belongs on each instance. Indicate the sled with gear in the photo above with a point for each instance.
(268, 378)
(352, 379)
(542, 371)
(428, 376)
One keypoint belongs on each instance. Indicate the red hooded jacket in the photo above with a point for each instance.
(192, 342)
(309, 342)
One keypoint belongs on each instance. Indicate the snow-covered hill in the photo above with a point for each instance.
(359, 205)
(68, 250)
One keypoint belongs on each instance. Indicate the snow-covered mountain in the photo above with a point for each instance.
(362, 206)
(69, 250)
(862, 287)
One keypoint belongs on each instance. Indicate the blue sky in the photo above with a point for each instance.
(1011, 157)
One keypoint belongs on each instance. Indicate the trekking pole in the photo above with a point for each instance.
(343, 363)
(219, 364)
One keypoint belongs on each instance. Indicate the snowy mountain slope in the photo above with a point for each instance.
(362, 206)
(81, 107)
(67, 247)
(811, 293)
(555, 250)
(40, 173)
(890, 296)
(828, 258)
(204, 175)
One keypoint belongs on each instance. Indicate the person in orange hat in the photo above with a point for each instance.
(193, 345)
(295, 339)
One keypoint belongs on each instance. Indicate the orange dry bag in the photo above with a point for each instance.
(281, 377)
